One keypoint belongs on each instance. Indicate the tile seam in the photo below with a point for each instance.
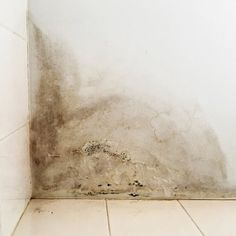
(191, 218)
(108, 218)
(12, 31)
(13, 131)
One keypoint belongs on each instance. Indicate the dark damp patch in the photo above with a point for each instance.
(49, 111)
(94, 147)
(136, 183)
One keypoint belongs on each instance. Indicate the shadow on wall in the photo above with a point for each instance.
(111, 144)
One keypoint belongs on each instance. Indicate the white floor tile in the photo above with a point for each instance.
(214, 218)
(64, 217)
(149, 218)
(15, 181)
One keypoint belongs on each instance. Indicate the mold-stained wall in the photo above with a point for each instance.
(129, 99)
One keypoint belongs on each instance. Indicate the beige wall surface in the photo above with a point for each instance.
(133, 99)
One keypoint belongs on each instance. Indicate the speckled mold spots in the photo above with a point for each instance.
(110, 144)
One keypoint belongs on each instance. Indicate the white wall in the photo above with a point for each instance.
(185, 49)
(15, 183)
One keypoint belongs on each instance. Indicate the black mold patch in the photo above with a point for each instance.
(110, 144)
(133, 194)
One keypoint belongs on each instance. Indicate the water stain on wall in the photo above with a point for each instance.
(113, 145)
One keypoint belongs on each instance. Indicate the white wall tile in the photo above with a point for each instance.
(15, 182)
(11, 212)
(13, 16)
(15, 165)
(13, 82)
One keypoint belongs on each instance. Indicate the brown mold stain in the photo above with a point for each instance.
(49, 112)
(111, 144)
(49, 108)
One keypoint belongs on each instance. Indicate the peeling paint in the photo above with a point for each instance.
(111, 144)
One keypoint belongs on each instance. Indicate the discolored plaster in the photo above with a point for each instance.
(112, 145)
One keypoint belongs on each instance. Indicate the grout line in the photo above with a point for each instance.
(108, 219)
(12, 132)
(138, 199)
(13, 32)
(194, 222)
